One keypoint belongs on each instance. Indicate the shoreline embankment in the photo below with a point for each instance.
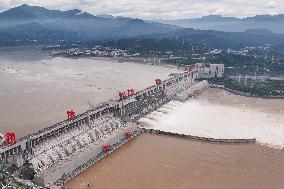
(197, 138)
(240, 93)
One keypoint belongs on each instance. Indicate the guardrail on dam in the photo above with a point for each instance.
(61, 150)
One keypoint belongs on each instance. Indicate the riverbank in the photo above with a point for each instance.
(243, 93)
(249, 87)
(222, 97)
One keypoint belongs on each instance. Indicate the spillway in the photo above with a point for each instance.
(206, 119)
(61, 151)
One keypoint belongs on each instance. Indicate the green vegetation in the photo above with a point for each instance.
(253, 87)
(183, 61)
(26, 172)
(11, 169)
(157, 47)
(7, 178)
(239, 64)
(248, 65)
(279, 48)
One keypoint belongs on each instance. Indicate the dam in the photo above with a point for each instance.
(62, 151)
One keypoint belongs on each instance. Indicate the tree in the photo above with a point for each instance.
(26, 172)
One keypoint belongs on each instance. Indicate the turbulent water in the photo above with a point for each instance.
(205, 119)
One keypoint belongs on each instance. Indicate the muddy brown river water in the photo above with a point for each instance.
(160, 162)
(36, 90)
(152, 161)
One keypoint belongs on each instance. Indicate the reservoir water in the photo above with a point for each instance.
(36, 89)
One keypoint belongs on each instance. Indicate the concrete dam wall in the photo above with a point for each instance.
(61, 151)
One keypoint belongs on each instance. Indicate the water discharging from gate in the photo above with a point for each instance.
(205, 119)
(155, 161)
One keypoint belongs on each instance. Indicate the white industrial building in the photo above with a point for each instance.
(210, 70)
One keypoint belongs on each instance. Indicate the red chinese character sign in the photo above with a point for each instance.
(188, 69)
(128, 134)
(122, 94)
(158, 81)
(106, 148)
(70, 114)
(10, 138)
(125, 94)
(130, 92)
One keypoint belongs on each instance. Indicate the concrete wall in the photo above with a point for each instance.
(211, 70)
(253, 140)
(217, 70)
(13, 153)
(77, 162)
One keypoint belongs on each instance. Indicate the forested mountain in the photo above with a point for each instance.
(33, 25)
(275, 23)
(85, 25)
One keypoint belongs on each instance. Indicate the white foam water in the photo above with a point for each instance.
(204, 119)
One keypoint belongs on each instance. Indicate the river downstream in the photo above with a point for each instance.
(152, 161)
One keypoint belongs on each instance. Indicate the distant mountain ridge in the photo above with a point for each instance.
(223, 40)
(34, 12)
(274, 23)
(86, 25)
(33, 25)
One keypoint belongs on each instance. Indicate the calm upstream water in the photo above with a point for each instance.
(36, 89)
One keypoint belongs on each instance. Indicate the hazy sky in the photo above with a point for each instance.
(167, 9)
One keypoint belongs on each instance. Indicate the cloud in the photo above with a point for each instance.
(165, 9)
(271, 4)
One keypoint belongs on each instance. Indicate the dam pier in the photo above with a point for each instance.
(60, 152)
